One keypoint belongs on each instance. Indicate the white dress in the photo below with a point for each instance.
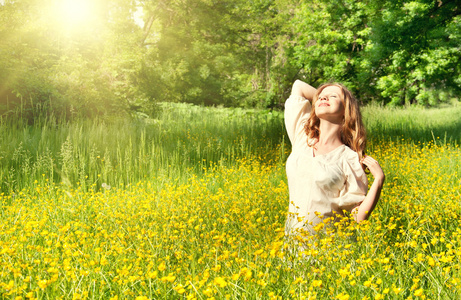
(323, 186)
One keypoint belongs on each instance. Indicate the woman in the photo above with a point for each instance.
(325, 169)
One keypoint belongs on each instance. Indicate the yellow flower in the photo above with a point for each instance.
(418, 292)
(169, 278)
(162, 267)
(208, 292)
(298, 280)
(342, 296)
(216, 268)
(10, 285)
(43, 283)
(379, 296)
(219, 281)
(316, 283)
(179, 289)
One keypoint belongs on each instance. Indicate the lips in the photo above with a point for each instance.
(324, 104)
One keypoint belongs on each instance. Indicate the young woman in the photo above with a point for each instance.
(325, 169)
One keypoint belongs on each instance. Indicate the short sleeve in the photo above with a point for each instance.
(356, 186)
(297, 110)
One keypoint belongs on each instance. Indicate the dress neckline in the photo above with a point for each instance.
(328, 153)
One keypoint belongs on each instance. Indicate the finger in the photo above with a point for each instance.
(370, 162)
(370, 159)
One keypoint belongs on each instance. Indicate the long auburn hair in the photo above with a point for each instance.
(353, 133)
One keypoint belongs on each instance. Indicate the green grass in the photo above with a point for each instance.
(183, 139)
(441, 125)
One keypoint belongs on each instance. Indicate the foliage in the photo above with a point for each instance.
(415, 51)
(52, 69)
(129, 55)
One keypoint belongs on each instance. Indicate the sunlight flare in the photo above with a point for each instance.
(75, 12)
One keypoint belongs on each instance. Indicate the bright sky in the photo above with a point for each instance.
(75, 12)
(72, 14)
(138, 17)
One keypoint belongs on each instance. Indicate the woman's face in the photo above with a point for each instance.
(330, 104)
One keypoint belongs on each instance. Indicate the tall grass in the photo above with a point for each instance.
(440, 125)
(182, 139)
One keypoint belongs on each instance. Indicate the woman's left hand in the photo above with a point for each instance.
(374, 167)
(365, 208)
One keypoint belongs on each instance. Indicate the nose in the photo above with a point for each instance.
(323, 98)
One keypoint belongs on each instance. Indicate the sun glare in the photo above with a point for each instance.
(75, 12)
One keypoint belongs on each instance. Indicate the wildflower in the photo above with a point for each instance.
(379, 296)
(342, 296)
(316, 283)
(162, 267)
(169, 278)
(208, 292)
(219, 281)
(179, 289)
(216, 268)
(298, 280)
(418, 292)
(43, 283)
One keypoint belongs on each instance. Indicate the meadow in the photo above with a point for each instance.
(191, 204)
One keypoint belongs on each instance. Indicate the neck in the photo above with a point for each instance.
(330, 133)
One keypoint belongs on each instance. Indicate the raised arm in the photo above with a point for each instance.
(297, 110)
(300, 88)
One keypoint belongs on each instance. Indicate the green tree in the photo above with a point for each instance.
(50, 66)
(216, 52)
(389, 51)
(332, 36)
(414, 52)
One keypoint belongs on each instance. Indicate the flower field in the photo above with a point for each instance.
(213, 228)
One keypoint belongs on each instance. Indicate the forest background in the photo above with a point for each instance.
(125, 56)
